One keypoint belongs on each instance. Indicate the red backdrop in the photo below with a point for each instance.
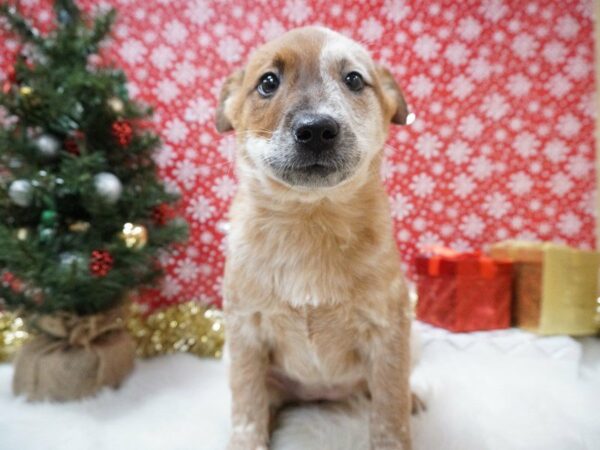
(503, 91)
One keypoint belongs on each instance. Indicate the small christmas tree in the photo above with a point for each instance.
(83, 214)
(82, 211)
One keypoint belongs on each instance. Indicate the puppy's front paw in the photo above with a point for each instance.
(417, 404)
(246, 441)
(382, 440)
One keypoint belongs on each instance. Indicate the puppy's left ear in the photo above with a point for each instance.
(224, 119)
(394, 96)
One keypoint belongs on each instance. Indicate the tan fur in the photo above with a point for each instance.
(315, 303)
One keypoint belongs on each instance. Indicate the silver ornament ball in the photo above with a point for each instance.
(21, 192)
(108, 187)
(47, 145)
(69, 260)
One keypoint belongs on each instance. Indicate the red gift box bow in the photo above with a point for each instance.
(484, 266)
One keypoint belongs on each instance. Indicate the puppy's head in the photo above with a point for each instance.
(310, 109)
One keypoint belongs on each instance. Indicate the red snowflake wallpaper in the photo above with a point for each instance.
(503, 92)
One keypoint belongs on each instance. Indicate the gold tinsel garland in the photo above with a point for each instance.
(12, 334)
(186, 327)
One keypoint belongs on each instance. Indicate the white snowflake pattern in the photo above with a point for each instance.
(459, 152)
(371, 29)
(587, 105)
(166, 90)
(569, 224)
(526, 144)
(395, 10)
(567, 27)
(428, 239)
(170, 287)
(495, 106)
(175, 32)
(272, 28)
(200, 11)
(568, 125)
(520, 183)
(462, 185)
(185, 73)
(297, 11)
(230, 49)
(578, 67)
(201, 209)
(481, 167)
(187, 269)
(224, 187)
(162, 57)
(560, 183)
(579, 166)
(460, 87)
(164, 156)
(186, 172)
(420, 86)
(426, 47)
(198, 110)
(525, 46)
(176, 130)
(554, 52)
(401, 207)
(133, 51)
(469, 28)
(496, 205)
(428, 145)
(479, 69)
(472, 225)
(558, 85)
(457, 54)
(519, 85)
(470, 126)
(422, 185)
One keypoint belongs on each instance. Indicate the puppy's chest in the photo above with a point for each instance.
(315, 344)
(299, 265)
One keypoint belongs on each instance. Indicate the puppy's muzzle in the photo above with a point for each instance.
(315, 133)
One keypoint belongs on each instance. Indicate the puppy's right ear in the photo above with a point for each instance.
(224, 119)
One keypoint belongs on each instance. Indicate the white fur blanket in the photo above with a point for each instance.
(479, 397)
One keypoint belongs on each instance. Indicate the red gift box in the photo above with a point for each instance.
(463, 291)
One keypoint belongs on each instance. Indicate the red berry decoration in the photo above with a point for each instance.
(72, 143)
(100, 263)
(161, 214)
(122, 132)
(10, 280)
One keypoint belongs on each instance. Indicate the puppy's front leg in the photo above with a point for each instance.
(389, 384)
(250, 398)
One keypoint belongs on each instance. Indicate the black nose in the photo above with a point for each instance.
(316, 132)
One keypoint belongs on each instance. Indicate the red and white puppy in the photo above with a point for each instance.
(316, 306)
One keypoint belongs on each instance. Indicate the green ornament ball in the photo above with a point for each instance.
(49, 217)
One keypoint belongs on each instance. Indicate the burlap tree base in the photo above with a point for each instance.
(72, 356)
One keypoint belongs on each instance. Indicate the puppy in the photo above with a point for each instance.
(316, 306)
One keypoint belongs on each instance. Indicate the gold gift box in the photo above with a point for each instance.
(556, 287)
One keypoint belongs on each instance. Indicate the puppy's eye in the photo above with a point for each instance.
(268, 84)
(354, 81)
